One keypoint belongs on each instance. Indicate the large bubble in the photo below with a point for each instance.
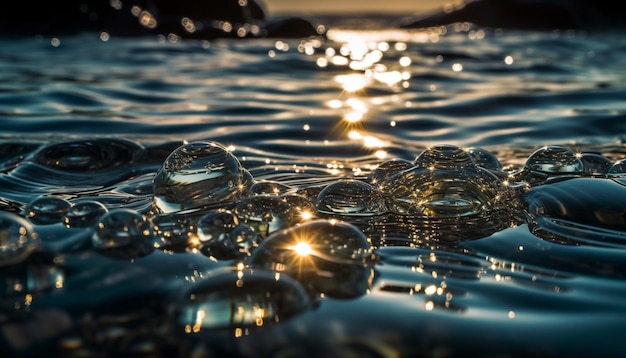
(445, 182)
(198, 174)
(17, 239)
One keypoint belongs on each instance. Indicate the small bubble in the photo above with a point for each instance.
(124, 230)
(553, 160)
(46, 210)
(84, 214)
(350, 197)
(267, 214)
(17, 239)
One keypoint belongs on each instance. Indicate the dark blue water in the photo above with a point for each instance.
(381, 193)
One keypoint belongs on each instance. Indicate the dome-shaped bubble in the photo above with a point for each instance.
(350, 197)
(47, 210)
(554, 160)
(17, 239)
(484, 158)
(595, 164)
(444, 156)
(328, 256)
(198, 174)
(269, 188)
(445, 183)
(304, 207)
(233, 298)
(84, 214)
(618, 168)
(223, 237)
(388, 169)
(88, 155)
(176, 231)
(267, 214)
(123, 229)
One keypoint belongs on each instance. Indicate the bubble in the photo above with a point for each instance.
(554, 160)
(329, 256)
(124, 233)
(223, 237)
(484, 159)
(84, 214)
(17, 239)
(198, 174)
(595, 164)
(46, 210)
(445, 183)
(304, 207)
(618, 168)
(388, 169)
(267, 214)
(350, 197)
(239, 298)
(176, 232)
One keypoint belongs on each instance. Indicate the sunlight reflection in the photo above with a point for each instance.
(352, 82)
(302, 249)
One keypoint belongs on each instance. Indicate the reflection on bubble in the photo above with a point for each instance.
(484, 158)
(387, 169)
(329, 256)
(237, 299)
(444, 183)
(17, 239)
(618, 168)
(269, 188)
(267, 214)
(554, 160)
(47, 210)
(84, 214)
(198, 174)
(350, 197)
(222, 236)
(123, 232)
(595, 164)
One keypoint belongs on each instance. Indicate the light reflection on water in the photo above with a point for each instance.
(315, 131)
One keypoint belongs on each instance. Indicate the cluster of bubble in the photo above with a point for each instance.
(206, 202)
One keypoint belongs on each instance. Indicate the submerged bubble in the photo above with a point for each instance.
(554, 160)
(124, 232)
(84, 214)
(350, 197)
(267, 214)
(196, 175)
(17, 239)
(47, 210)
(444, 183)
(237, 299)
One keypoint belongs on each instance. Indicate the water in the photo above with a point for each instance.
(380, 193)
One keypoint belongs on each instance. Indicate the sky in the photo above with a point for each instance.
(407, 7)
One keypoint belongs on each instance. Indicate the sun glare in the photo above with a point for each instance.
(302, 249)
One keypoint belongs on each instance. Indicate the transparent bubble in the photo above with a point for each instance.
(269, 188)
(618, 168)
(222, 236)
(267, 214)
(444, 183)
(595, 164)
(484, 158)
(84, 214)
(176, 232)
(198, 174)
(328, 256)
(388, 169)
(351, 197)
(124, 232)
(304, 207)
(554, 160)
(17, 239)
(46, 210)
(239, 298)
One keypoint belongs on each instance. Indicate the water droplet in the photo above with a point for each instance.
(350, 197)
(267, 214)
(554, 160)
(198, 174)
(46, 210)
(17, 239)
(239, 298)
(123, 233)
(444, 183)
(84, 214)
